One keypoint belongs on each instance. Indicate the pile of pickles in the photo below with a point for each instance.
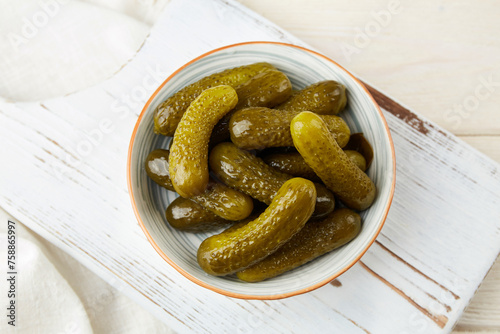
(267, 163)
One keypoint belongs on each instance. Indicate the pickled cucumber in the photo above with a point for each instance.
(357, 158)
(224, 201)
(188, 165)
(258, 128)
(232, 251)
(323, 98)
(249, 174)
(291, 163)
(186, 215)
(157, 168)
(315, 239)
(358, 143)
(319, 149)
(169, 113)
(219, 199)
(266, 89)
(276, 150)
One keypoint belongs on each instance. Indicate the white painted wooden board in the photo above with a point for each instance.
(63, 174)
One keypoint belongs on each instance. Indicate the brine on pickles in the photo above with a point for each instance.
(288, 162)
(315, 239)
(188, 160)
(169, 113)
(186, 215)
(249, 174)
(320, 150)
(322, 98)
(293, 163)
(217, 198)
(266, 89)
(238, 248)
(258, 128)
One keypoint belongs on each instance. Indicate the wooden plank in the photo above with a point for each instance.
(489, 145)
(454, 61)
(483, 311)
(65, 179)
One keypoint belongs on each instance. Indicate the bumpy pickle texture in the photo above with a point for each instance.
(315, 239)
(323, 98)
(249, 174)
(169, 113)
(224, 201)
(357, 158)
(360, 144)
(219, 199)
(186, 215)
(266, 89)
(258, 128)
(234, 250)
(291, 163)
(294, 219)
(320, 150)
(188, 165)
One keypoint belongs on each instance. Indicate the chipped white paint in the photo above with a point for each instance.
(63, 175)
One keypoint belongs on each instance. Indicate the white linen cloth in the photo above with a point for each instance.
(56, 294)
(50, 48)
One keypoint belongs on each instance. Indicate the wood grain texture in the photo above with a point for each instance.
(431, 54)
(489, 145)
(65, 179)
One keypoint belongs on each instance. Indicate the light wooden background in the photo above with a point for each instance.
(431, 56)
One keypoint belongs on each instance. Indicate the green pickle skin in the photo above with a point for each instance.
(291, 163)
(186, 215)
(319, 149)
(323, 98)
(188, 160)
(250, 175)
(315, 239)
(169, 113)
(298, 221)
(357, 158)
(258, 128)
(234, 250)
(157, 168)
(266, 89)
(358, 142)
(218, 198)
(225, 202)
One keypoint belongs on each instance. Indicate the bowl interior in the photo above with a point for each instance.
(303, 68)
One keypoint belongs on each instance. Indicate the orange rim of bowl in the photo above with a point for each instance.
(238, 295)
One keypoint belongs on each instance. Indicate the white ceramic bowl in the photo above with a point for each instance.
(303, 67)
